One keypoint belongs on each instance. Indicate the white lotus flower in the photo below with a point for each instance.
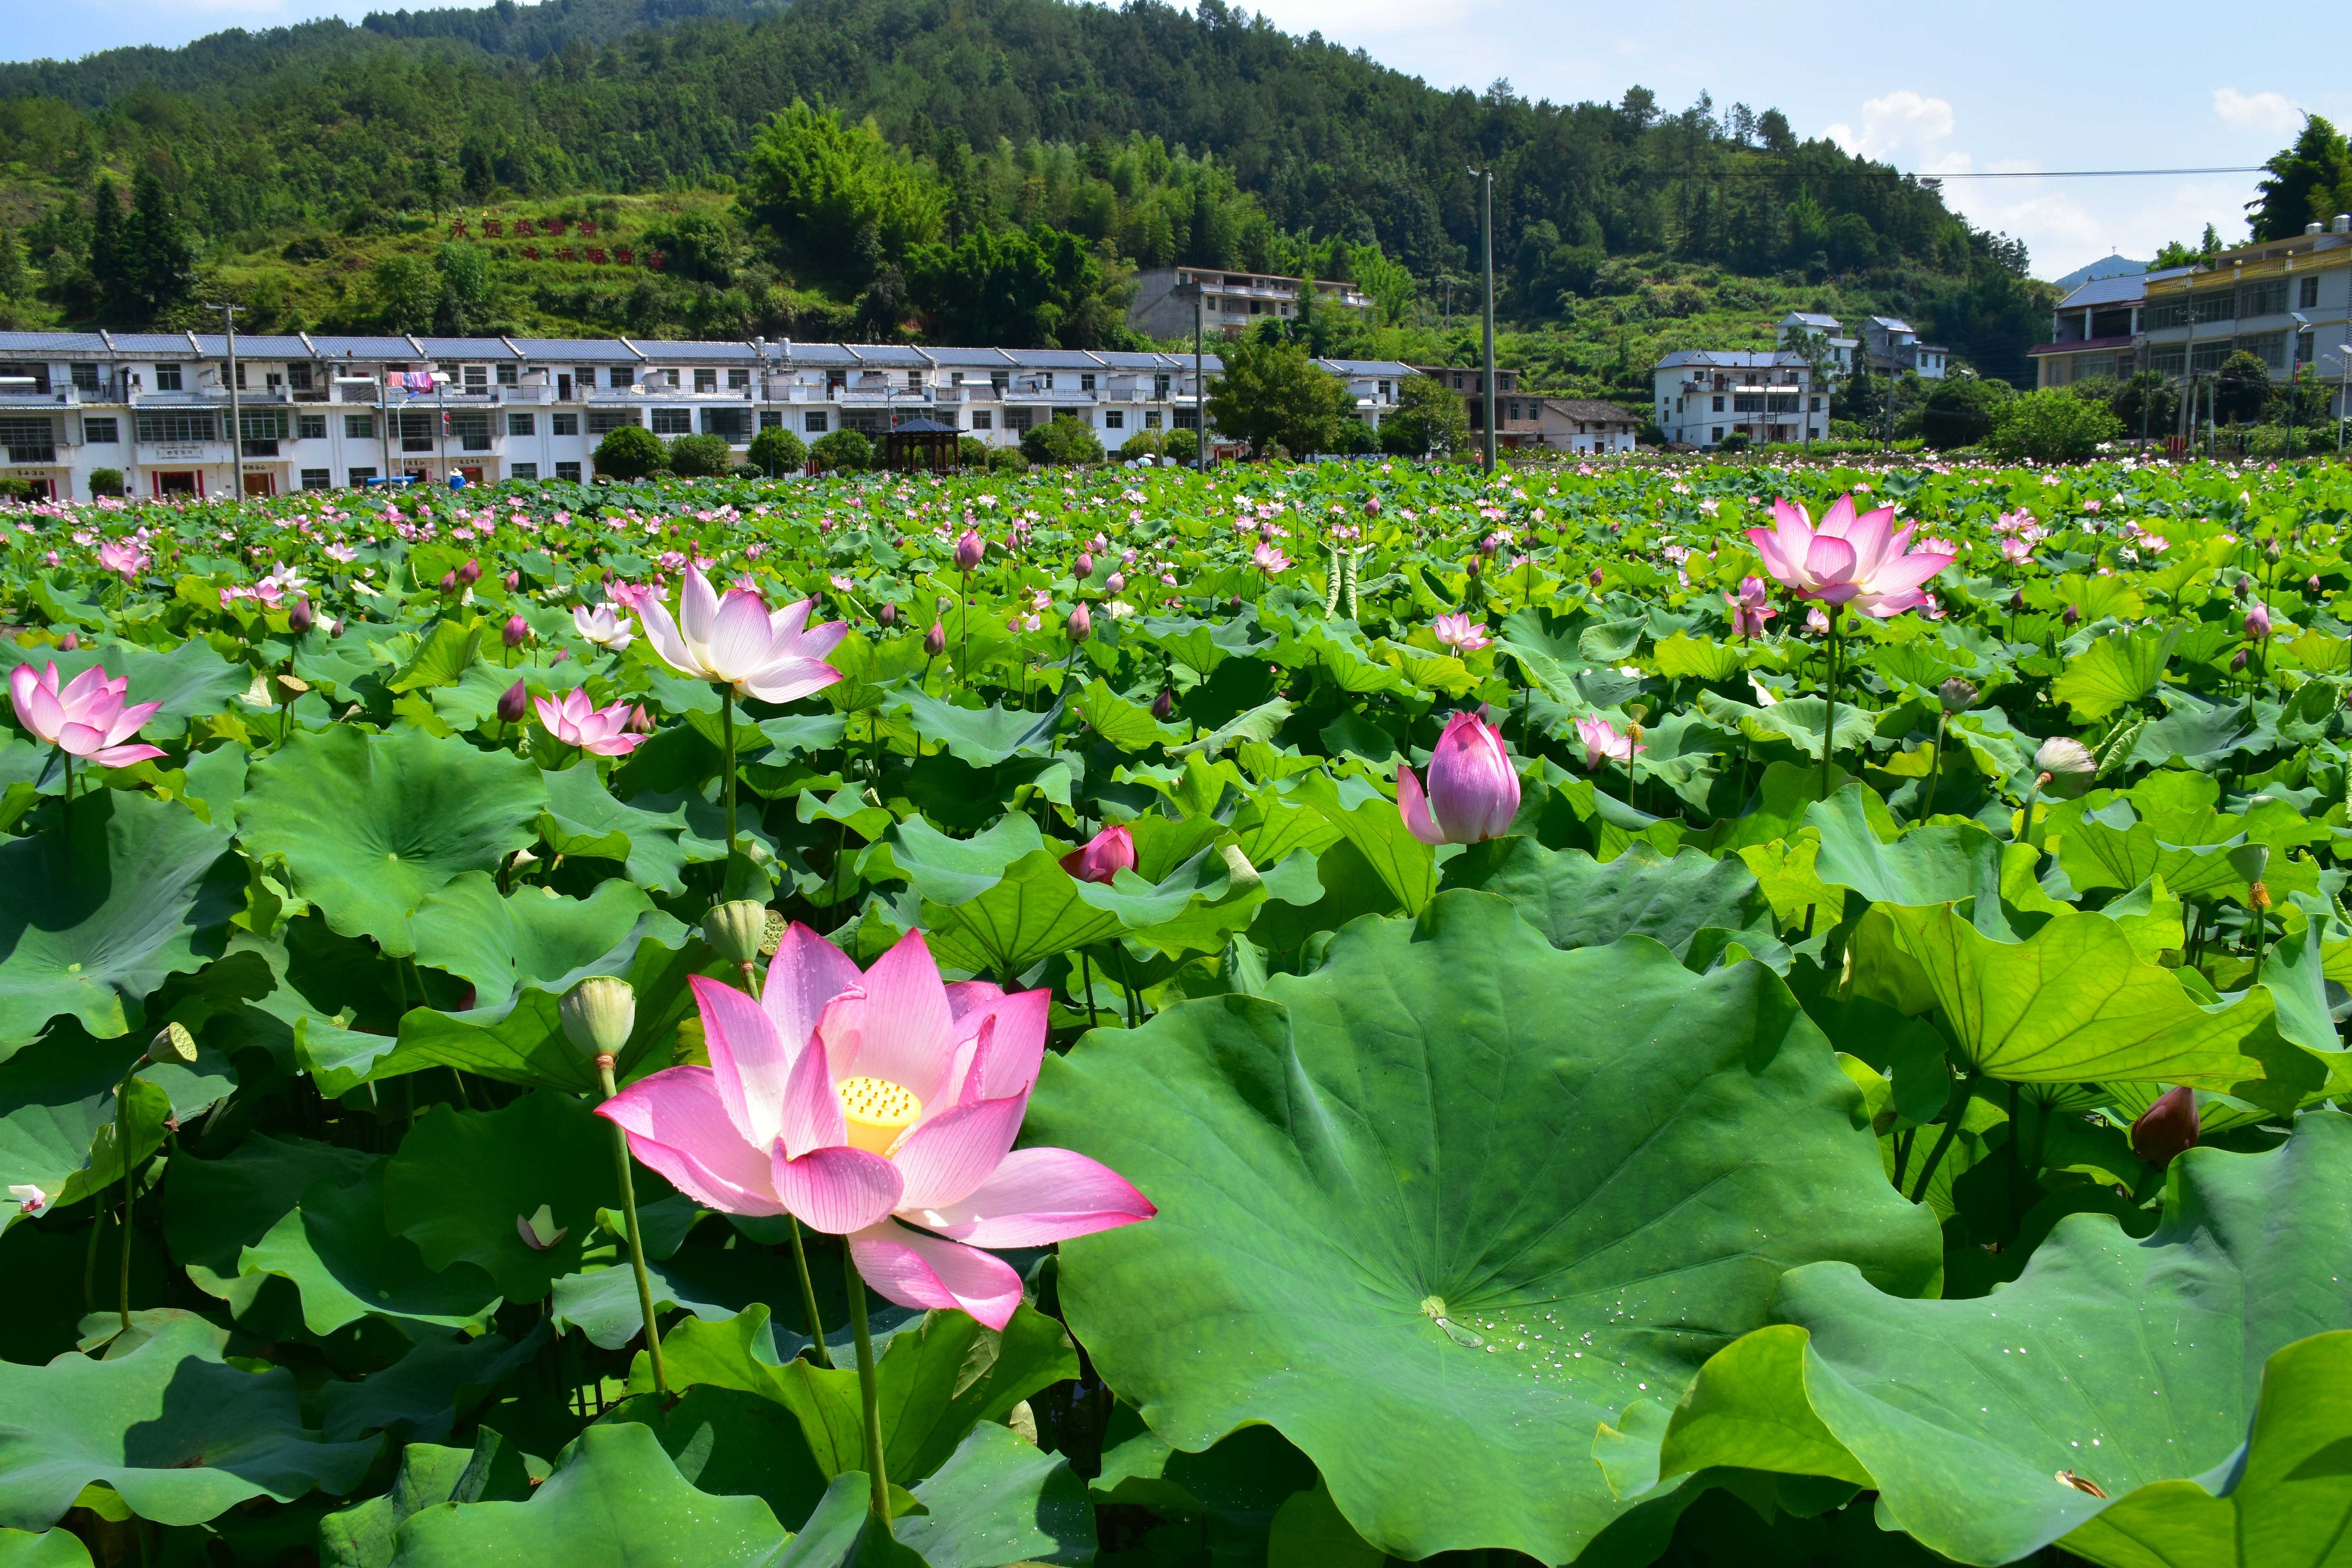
(603, 626)
(739, 643)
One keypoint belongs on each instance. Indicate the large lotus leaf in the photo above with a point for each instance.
(1943, 864)
(425, 1393)
(1578, 902)
(1034, 910)
(949, 870)
(1439, 1209)
(2116, 671)
(715, 1285)
(335, 1247)
(2114, 847)
(2126, 1363)
(582, 819)
(521, 1040)
(364, 1535)
(57, 1120)
(470, 930)
(214, 1209)
(997, 1500)
(1370, 821)
(2201, 734)
(92, 922)
(614, 1501)
(370, 825)
(50, 1549)
(180, 1434)
(982, 737)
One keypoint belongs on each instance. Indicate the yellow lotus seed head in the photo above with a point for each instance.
(879, 1111)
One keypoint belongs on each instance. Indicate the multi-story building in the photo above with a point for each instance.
(1891, 345)
(2094, 330)
(318, 411)
(1521, 418)
(1231, 302)
(1770, 396)
(2286, 302)
(1792, 331)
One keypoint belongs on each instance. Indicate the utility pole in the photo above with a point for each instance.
(1200, 391)
(235, 413)
(1487, 265)
(2293, 375)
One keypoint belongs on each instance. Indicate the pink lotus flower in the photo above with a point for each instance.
(1474, 790)
(1750, 607)
(602, 625)
(127, 561)
(854, 1101)
(738, 643)
(1269, 559)
(576, 721)
(1102, 857)
(1862, 560)
(2258, 622)
(1604, 742)
(1459, 632)
(87, 718)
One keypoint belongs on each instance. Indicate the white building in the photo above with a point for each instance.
(1231, 302)
(1891, 345)
(1790, 331)
(2287, 302)
(1587, 425)
(320, 411)
(1704, 395)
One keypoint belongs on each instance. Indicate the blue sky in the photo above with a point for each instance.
(1941, 89)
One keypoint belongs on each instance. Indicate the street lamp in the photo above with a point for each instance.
(1486, 178)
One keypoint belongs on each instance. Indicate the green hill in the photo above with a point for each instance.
(1023, 152)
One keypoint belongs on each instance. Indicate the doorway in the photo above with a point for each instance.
(472, 475)
(260, 487)
(177, 482)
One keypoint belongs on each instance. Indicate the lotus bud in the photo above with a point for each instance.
(2271, 551)
(1472, 791)
(72, 641)
(470, 572)
(969, 548)
(1115, 582)
(302, 617)
(2258, 624)
(1473, 568)
(1957, 695)
(172, 1043)
(2238, 663)
(448, 582)
(1081, 624)
(2167, 1129)
(2312, 587)
(1593, 576)
(1371, 506)
(1103, 857)
(517, 631)
(1163, 705)
(2016, 601)
(558, 656)
(2065, 767)
(514, 582)
(640, 722)
(1085, 565)
(599, 1016)
(735, 928)
(2240, 588)
(935, 641)
(514, 704)
(2072, 616)
(888, 616)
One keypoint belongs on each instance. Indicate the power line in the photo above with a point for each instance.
(2086, 173)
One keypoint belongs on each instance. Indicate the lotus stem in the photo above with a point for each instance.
(1829, 712)
(122, 1152)
(808, 1296)
(869, 1388)
(727, 734)
(637, 1239)
(1934, 766)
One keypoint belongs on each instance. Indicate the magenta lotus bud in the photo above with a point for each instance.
(2242, 588)
(1085, 565)
(1101, 858)
(2313, 586)
(2168, 1128)
(517, 631)
(2271, 551)
(558, 656)
(514, 582)
(888, 614)
(1473, 793)
(448, 582)
(1115, 582)
(1371, 506)
(302, 617)
(968, 550)
(2017, 601)
(1081, 624)
(470, 572)
(1486, 545)
(2258, 624)
(1473, 568)
(1163, 705)
(935, 641)
(1593, 576)
(2238, 664)
(2072, 616)
(640, 722)
(72, 641)
(513, 704)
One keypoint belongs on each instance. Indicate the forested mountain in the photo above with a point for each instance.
(1058, 145)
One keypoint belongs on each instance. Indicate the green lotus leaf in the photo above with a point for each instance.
(472, 699)
(947, 870)
(49, 1549)
(1370, 821)
(582, 819)
(2124, 1364)
(714, 1285)
(461, 1180)
(1034, 910)
(1126, 724)
(2199, 733)
(332, 1245)
(214, 1209)
(57, 1120)
(614, 1501)
(997, 1500)
(1527, 1186)
(1795, 720)
(440, 658)
(1578, 902)
(180, 1434)
(370, 825)
(982, 737)
(365, 1535)
(2116, 671)
(2074, 1002)
(424, 1394)
(191, 681)
(1937, 865)
(469, 930)
(92, 922)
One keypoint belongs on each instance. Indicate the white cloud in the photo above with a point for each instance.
(1901, 122)
(2270, 111)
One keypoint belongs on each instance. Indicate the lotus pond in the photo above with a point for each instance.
(1305, 1016)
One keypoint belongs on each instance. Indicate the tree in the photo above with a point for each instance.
(1272, 394)
(159, 259)
(2175, 254)
(1008, 288)
(839, 198)
(2146, 402)
(1962, 410)
(700, 456)
(2050, 426)
(468, 291)
(1182, 446)
(2241, 386)
(630, 452)
(777, 450)
(844, 449)
(407, 292)
(1426, 418)
(1143, 444)
(2306, 181)
(1063, 439)
(111, 261)
(12, 267)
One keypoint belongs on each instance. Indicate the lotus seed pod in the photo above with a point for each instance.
(735, 928)
(599, 1016)
(172, 1043)
(2167, 1129)
(1957, 695)
(771, 936)
(2250, 860)
(2066, 767)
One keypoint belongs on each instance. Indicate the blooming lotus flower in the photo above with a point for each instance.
(1100, 857)
(856, 1101)
(1750, 607)
(125, 559)
(738, 643)
(576, 721)
(1474, 790)
(87, 718)
(1603, 742)
(1861, 560)
(1269, 559)
(603, 627)
(1460, 633)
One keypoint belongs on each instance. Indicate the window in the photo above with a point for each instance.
(1114, 419)
(564, 424)
(772, 419)
(568, 472)
(1086, 383)
(1019, 420)
(360, 426)
(167, 378)
(509, 374)
(522, 424)
(1815, 407)
(1383, 386)
(1744, 403)
(1780, 403)
(2214, 305)
(2306, 298)
(2173, 313)
(735, 424)
(240, 375)
(955, 378)
(620, 375)
(739, 381)
(673, 421)
(523, 472)
(1151, 419)
(310, 427)
(176, 426)
(2267, 297)
(28, 440)
(1718, 405)
(2306, 347)
(2169, 359)
(103, 432)
(2209, 357)
(1187, 419)
(1000, 379)
(470, 428)
(477, 378)
(706, 379)
(814, 422)
(355, 478)
(85, 376)
(318, 478)
(1160, 384)
(1045, 382)
(2268, 347)
(983, 419)
(605, 421)
(1718, 433)
(667, 377)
